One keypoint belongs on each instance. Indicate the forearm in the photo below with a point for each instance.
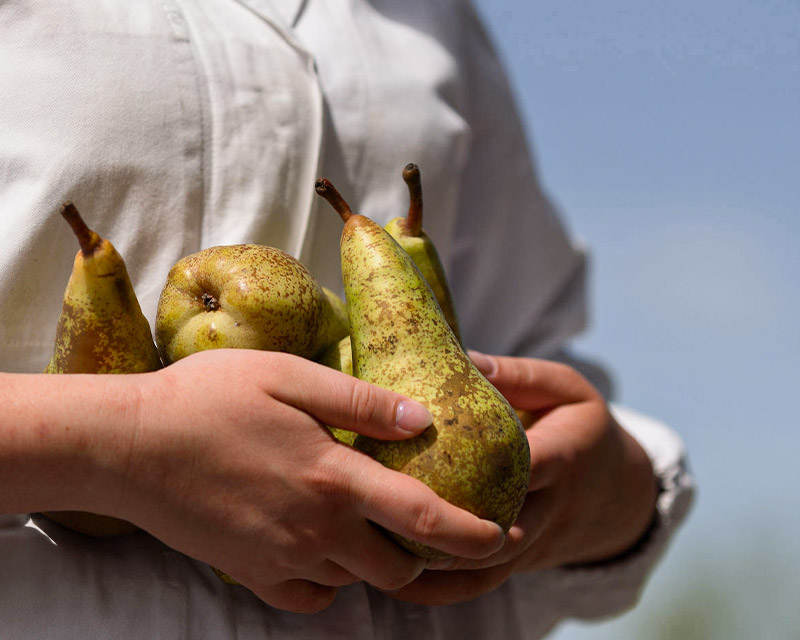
(62, 440)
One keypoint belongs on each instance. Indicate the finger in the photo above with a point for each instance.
(434, 588)
(531, 384)
(376, 559)
(546, 460)
(406, 506)
(555, 438)
(536, 516)
(559, 436)
(298, 596)
(332, 574)
(340, 400)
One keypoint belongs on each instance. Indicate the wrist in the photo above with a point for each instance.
(64, 440)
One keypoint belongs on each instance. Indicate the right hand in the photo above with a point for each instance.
(231, 463)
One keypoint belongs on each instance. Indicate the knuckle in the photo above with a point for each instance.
(291, 558)
(527, 376)
(342, 577)
(267, 374)
(573, 378)
(364, 403)
(294, 552)
(401, 574)
(330, 478)
(400, 579)
(316, 602)
(428, 521)
(305, 597)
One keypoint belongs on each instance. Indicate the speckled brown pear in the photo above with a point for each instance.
(409, 234)
(245, 296)
(475, 454)
(101, 329)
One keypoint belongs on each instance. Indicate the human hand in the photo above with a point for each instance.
(591, 494)
(231, 464)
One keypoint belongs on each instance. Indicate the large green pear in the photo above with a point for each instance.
(410, 235)
(101, 329)
(475, 454)
(246, 296)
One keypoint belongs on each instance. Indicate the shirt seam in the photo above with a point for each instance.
(205, 121)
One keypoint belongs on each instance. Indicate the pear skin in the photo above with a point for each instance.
(101, 329)
(245, 296)
(337, 324)
(339, 356)
(475, 454)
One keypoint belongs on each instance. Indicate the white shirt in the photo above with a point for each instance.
(176, 125)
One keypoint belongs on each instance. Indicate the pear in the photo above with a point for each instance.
(409, 234)
(338, 322)
(101, 329)
(246, 296)
(475, 453)
(339, 356)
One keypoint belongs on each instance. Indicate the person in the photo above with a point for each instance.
(179, 124)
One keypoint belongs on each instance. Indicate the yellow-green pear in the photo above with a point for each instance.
(475, 454)
(338, 322)
(101, 329)
(410, 235)
(339, 356)
(245, 296)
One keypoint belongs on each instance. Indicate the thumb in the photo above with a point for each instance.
(340, 400)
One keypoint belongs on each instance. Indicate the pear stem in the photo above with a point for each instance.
(414, 182)
(88, 239)
(209, 302)
(325, 188)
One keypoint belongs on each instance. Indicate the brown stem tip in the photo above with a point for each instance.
(325, 188)
(413, 180)
(88, 239)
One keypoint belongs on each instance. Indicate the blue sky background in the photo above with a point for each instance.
(669, 136)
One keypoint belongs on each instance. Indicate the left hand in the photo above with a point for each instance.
(591, 494)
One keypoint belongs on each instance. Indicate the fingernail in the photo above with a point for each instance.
(412, 416)
(502, 539)
(486, 364)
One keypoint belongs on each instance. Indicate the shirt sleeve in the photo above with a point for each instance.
(518, 279)
(519, 282)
